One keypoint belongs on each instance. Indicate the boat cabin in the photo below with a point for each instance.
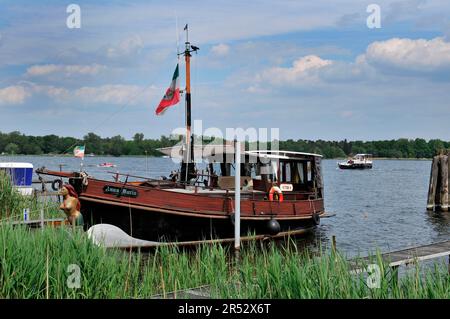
(363, 157)
(291, 172)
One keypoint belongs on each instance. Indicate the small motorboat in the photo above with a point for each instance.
(359, 161)
(107, 165)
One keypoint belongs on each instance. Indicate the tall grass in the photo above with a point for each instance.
(12, 203)
(36, 264)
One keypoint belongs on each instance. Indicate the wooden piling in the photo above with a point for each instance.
(433, 183)
(438, 197)
(444, 183)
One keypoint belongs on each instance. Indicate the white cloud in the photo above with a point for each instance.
(57, 93)
(66, 70)
(419, 55)
(13, 95)
(302, 69)
(220, 49)
(114, 94)
(126, 47)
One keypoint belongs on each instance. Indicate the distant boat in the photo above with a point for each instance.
(359, 161)
(107, 165)
(21, 175)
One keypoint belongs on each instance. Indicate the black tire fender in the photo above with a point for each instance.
(57, 184)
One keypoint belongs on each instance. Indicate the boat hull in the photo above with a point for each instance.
(355, 166)
(156, 226)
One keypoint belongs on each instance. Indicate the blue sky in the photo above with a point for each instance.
(311, 68)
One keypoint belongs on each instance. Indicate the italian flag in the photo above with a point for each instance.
(78, 151)
(172, 95)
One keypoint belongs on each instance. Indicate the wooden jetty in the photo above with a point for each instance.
(438, 188)
(411, 255)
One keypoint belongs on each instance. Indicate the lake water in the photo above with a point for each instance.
(383, 207)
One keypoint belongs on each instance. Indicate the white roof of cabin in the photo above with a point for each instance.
(281, 154)
(16, 165)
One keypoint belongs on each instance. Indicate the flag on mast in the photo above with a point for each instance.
(78, 151)
(172, 95)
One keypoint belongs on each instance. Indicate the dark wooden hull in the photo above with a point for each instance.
(157, 226)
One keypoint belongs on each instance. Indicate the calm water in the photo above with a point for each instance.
(383, 207)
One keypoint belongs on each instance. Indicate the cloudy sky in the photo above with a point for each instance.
(311, 68)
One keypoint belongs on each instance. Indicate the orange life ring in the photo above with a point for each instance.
(278, 191)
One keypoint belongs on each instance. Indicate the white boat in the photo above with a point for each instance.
(106, 165)
(359, 161)
(21, 175)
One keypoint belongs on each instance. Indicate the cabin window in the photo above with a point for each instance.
(275, 170)
(298, 174)
(268, 171)
(295, 173)
(309, 170)
(286, 172)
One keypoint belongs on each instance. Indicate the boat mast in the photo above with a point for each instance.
(188, 167)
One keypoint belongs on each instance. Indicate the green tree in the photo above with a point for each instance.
(12, 149)
(116, 145)
(421, 148)
(94, 143)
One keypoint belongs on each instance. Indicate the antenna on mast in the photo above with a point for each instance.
(177, 35)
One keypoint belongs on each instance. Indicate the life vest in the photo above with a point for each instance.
(278, 191)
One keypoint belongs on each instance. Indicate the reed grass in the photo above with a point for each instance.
(12, 203)
(36, 264)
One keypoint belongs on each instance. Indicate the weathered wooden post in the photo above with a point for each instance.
(444, 183)
(433, 183)
(438, 189)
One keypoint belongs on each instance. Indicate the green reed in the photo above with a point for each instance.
(36, 264)
(12, 203)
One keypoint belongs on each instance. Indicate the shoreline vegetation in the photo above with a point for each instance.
(16, 143)
(45, 263)
(64, 263)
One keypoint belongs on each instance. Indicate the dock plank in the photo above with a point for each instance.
(406, 256)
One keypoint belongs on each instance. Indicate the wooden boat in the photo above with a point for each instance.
(359, 161)
(287, 194)
(281, 191)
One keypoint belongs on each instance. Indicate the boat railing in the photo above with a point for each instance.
(162, 182)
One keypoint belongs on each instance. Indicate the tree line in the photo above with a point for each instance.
(18, 143)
